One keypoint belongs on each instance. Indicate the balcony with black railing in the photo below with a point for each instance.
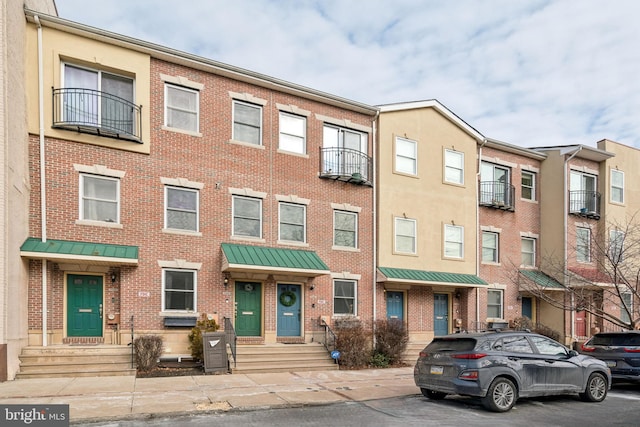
(585, 204)
(345, 164)
(497, 194)
(97, 113)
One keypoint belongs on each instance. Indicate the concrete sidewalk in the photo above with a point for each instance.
(104, 398)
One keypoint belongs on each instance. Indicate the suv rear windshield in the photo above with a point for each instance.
(451, 344)
(616, 339)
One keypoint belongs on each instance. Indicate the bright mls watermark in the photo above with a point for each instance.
(34, 415)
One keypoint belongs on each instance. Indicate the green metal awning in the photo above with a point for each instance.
(79, 252)
(272, 260)
(429, 278)
(541, 279)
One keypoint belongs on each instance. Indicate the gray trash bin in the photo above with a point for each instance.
(214, 352)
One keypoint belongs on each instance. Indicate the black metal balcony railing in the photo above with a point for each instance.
(98, 113)
(585, 203)
(345, 164)
(497, 194)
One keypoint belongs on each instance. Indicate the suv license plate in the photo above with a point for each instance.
(437, 370)
(611, 363)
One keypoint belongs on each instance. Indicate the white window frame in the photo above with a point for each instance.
(281, 221)
(259, 110)
(617, 188)
(168, 107)
(396, 233)
(337, 212)
(194, 291)
(406, 151)
(450, 244)
(235, 215)
(287, 138)
(531, 187)
(499, 305)
(84, 198)
(531, 253)
(353, 299)
(495, 258)
(628, 296)
(450, 155)
(334, 136)
(583, 245)
(167, 208)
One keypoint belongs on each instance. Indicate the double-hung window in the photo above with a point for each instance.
(247, 122)
(495, 301)
(528, 185)
(99, 198)
(182, 108)
(293, 133)
(405, 235)
(344, 297)
(616, 246)
(583, 244)
(181, 208)
(406, 156)
(617, 186)
(179, 290)
(345, 229)
(528, 251)
(626, 306)
(247, 217)
(490, 247)
(453, 241)
(454, 167)
(293, 222)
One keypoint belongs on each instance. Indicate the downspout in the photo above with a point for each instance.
(43, 195)
(566, 236)
(478, 233)
(375, 222)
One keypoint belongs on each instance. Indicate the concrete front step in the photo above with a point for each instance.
(75, 361)
(282, 358)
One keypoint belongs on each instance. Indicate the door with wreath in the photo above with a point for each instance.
(289, 313)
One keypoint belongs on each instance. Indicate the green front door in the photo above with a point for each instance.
(248, 309)
(84, 306)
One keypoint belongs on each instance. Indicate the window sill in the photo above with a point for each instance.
(181, 313)
(246, 144)
(534, 202)
(497, 264)
(183, 131)
(182, 232)
(98, 223)
(345, 249)
(291, 243)
(293, 153)
(455, 184)
(248, 239)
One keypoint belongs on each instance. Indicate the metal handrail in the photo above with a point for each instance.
(95, 112)
(338, 162)
(497, 194)
(232, 338)
(329, 339)
(131, 344)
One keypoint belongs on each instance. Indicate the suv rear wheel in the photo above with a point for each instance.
(596, 389)
(501, 395)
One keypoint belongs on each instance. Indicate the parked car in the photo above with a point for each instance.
(502, 366)
(619, 350)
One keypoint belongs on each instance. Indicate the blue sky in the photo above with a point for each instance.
(527, 72)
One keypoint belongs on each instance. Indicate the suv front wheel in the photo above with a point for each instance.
(501, 395)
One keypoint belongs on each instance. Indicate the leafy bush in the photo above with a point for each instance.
(195, 337)
(353, 342)
(391, 340)
(148, 349)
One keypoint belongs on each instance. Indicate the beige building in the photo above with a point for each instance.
(427, 218)
(14, 179)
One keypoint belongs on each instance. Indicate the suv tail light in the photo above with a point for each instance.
(423, 354)
(469, 375)
(632, 349)
(587, 347)
(469, 356)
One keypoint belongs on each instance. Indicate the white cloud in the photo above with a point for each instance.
(529, 72)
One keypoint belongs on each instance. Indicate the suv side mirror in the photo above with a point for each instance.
(572, 353)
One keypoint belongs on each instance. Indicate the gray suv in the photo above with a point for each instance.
(619, 350)
(502, 366)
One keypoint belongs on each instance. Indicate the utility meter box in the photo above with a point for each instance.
(215, 352)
